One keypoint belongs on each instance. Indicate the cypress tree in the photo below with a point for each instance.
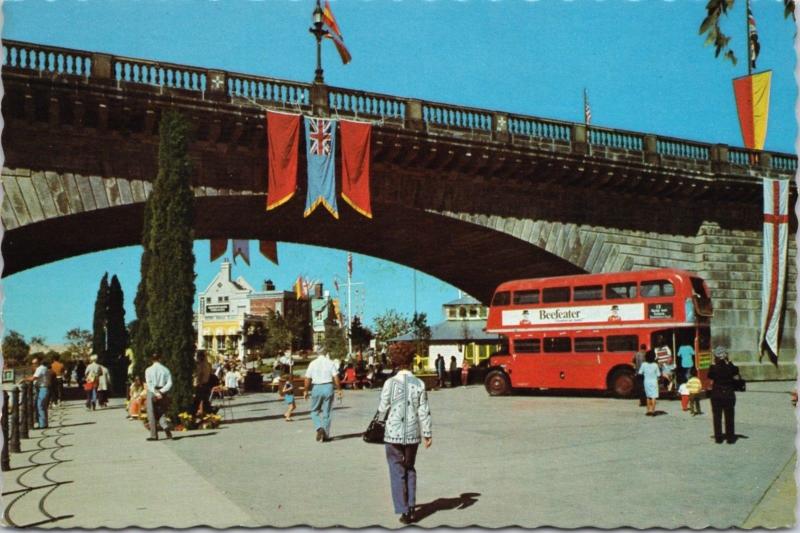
(140, 330)
(170, 272)
(99, 338)
(116, 335)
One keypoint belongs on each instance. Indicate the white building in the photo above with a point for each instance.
(221, 312)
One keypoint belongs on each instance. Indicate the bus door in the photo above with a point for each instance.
(703, 357)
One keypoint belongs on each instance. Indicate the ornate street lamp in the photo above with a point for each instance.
(319, 33)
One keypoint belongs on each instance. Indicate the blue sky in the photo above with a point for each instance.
(643, 63)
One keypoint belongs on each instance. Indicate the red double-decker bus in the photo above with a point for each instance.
(581, 332)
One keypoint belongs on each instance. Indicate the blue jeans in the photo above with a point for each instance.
(41, 405)
(321, 403)
(402, 475)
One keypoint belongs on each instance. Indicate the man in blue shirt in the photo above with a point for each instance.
(686, 355)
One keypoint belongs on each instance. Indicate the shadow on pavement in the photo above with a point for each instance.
(659, 413)
(48, 521)
(181, 437)
(72, 425)
(345, 437)
(234, 403)
(269, 417)
(466, 499)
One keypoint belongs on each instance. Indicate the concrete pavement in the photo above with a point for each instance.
(532, 460)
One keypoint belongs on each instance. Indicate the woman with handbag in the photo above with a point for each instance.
(409, 418)
(727, 380)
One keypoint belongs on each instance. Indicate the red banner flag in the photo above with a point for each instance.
(283, 144)
(218, 248)
(356, 141)
(752, 105)
(269, 249)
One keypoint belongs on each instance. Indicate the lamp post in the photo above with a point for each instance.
(318, 33)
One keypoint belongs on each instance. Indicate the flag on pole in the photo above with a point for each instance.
(587, 110)
(300, 288)
(752, 106)
(356, 140)
(752, 35)
(336, 285)
(321, 147)
(776, 232)
(283, 144)
(349, 264)
(269, 249)
(334, 33)
(218, 248)
(241, 247)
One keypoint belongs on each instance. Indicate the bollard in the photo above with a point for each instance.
(23, 410)
(31, 406)
(5, 463)
(15, 448)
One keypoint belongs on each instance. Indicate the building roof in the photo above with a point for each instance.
(464, 300)
(454, 330)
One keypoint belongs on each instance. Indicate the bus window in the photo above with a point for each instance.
(589, 344)
(526, 297)
(659, 287)
(502, 348)
(588, 292)
(557, 345)
(701, 298)
(555, 294)
(527, 345)
(622, 343)
(616, 291)
(501, 298)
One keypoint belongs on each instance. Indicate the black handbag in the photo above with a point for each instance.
(375, 430)
(739, 385)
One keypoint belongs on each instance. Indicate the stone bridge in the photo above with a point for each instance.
(471, 196)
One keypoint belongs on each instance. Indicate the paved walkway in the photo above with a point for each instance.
(533, 460)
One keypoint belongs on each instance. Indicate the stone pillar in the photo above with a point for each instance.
(719, 158)
(216, 85)
(101, 68)
(414, 118)
(651, 154)
(319, 100)
(500, 127)
(580, 139)
(24, 418)
(5, 463)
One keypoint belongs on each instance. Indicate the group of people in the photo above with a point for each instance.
(725, 381)
(96, 384)
(451, 373)
(48, 382)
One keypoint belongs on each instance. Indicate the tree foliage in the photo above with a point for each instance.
(99, 338)
(422, 332)
(15, 349)
(116, 335)
(335, 336)
(140, 329)
(710, 27)
(279, 335)
(79, 344)
(170, 270)
(359, 334)
(390, 324)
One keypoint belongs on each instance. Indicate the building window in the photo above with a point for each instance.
(451, 312)
(462, 312)
(473, 312)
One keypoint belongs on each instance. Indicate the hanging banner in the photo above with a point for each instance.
(218, 248)
(241, 247)
(356, 141)
(776, 235)
(283, 144)
(269, 249)
(752, 105)
(320, 150)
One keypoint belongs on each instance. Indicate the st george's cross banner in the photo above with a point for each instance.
(776, 235)
(320, 158)
(752, 106)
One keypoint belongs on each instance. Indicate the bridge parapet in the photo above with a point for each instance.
(439, 119)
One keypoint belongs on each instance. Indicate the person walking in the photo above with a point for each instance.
(464, 372)
(404, 406)
(80, 373)
(201, 380)
(103, 384)
(651, 372)
(57, 386)
(40, 379)
(686, 356)
(159, 382)
(453, 371)
(638, 359)
(321, 373)
(724, 375)
(90, 381)
(440, 370)
(695, 387)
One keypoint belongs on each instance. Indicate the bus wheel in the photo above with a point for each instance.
(622, 383)
(497, 383)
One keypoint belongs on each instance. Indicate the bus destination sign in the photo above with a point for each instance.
(659, 310)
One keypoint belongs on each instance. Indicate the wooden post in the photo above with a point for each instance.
(5, 463)
(15, 421)
(24, 420)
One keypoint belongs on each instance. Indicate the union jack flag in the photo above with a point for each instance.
(320, 135)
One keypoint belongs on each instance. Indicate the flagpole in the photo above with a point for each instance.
(747, 37)
(318, 33)
(349, 316)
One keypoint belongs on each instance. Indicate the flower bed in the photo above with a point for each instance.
(187, 421)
